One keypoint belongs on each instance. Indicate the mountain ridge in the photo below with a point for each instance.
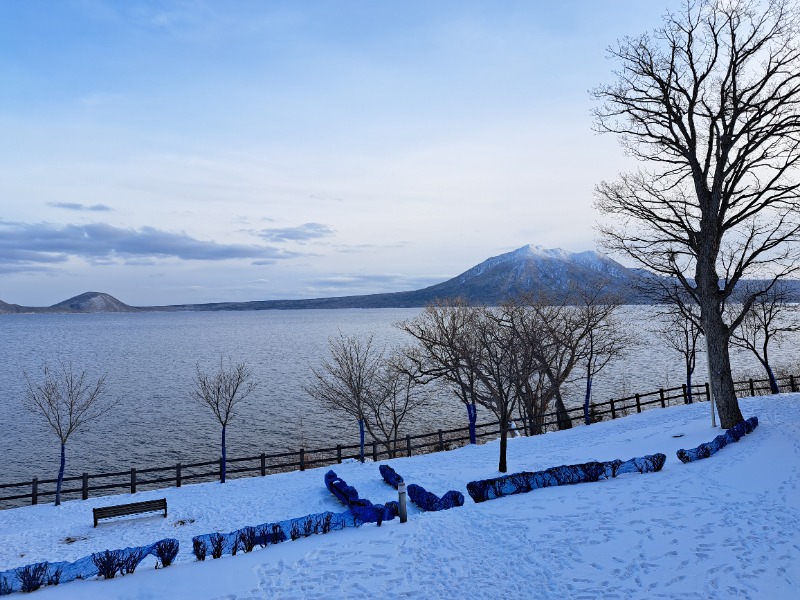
(529, 269)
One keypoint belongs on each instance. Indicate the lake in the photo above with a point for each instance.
(149, 360)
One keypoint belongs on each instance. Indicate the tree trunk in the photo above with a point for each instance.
(361, 434)
(472, 415)
(562, 418)
(224, 465)
(773, 383)
(60, 476)
(503, 467)
(586, 417)
(689, 385)
(717, 337)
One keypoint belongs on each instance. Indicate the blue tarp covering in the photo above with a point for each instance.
(519, 483)
(56, 573)
(734, 434)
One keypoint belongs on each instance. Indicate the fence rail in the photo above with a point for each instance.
(441, 440)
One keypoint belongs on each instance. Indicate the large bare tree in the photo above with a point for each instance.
(68, 400)
(222, 391)
(710, 105)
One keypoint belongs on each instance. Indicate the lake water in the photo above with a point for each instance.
(149, 360)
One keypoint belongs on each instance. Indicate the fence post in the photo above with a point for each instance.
(221, 466)
(685, 395)
(791, 383)
(339, 453)
(85, 486)
(613, 412)
(302, 459)
(35, 491)
(638, 404)
(408, 444)
(263, 464)
(708, 392)
(441, 441)
(374, 451)
(178, 475)
(401, 502)
(663, 402)
(752, 388)
(133, 480)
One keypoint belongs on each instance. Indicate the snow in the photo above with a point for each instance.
(727, 526)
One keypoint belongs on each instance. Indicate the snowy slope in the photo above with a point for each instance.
(728, 526)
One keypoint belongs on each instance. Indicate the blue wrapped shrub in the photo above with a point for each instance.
(431, 502)
(519, 483)
(734, 434)
(362, 508)
(107, 564)
(390, 476)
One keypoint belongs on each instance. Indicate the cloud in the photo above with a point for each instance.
(301, 233)
(372, 283)
(25, 244)
(77, 206)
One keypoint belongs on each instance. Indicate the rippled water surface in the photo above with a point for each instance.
(149, 360)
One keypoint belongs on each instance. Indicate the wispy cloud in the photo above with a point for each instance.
(81, 207)
(26, 244)
(301, 233)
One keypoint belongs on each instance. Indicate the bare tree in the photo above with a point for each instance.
(222, 391)
(766, 321)
(445, 334)
(67, 400)
(493, 360)
(607, 340)
(709, 103)
(680, 331)
(398, 393)
(349, 378)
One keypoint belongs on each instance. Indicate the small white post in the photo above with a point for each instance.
(401, 501)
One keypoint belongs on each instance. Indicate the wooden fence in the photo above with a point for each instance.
(35, 490)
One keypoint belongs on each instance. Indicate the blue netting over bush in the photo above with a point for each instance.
(390, 476)
(362, 508)
(734, 434)
(108, 564)
(431, 502)
(519, 483)
(247, 538)
(420, 496)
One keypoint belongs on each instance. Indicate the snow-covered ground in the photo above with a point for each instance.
(724, 527)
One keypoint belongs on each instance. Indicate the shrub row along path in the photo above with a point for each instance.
(723, 527)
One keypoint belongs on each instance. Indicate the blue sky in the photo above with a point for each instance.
(170, 152)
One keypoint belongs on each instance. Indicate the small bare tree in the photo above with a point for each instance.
(347, 380)
(399, 392)
(766, 321)
(67, 400)
(222, 391)
(444, 332)
(680, 331)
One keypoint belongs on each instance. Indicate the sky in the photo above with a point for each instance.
(183, 152)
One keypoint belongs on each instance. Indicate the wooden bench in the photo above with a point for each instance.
(134, 508)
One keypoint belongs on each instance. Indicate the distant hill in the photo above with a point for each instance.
(89, 302)
(92, 302)
(530, 269)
